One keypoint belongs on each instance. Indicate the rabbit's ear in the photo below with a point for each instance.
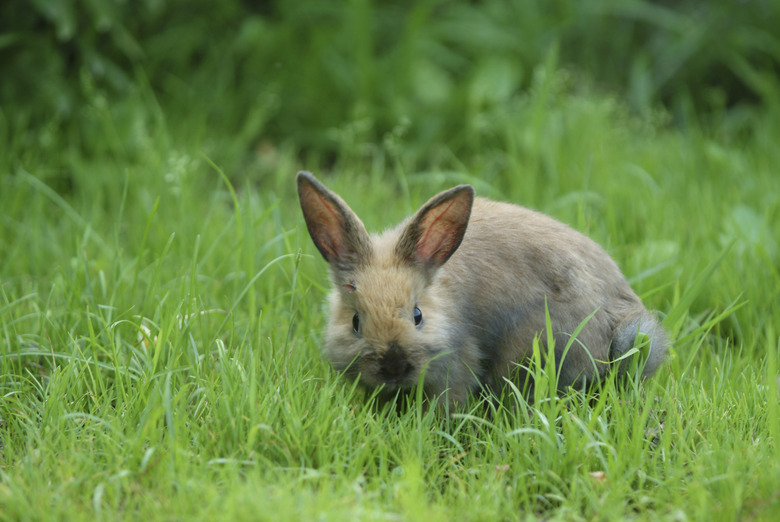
(337, 232)
(435, 232)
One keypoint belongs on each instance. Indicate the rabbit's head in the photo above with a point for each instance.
(390, 320)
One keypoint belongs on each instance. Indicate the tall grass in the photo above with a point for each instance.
(161, 304)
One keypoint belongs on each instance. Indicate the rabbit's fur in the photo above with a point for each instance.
(459, 290)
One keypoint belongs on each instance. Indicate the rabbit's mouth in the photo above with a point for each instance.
(392, 378)
(392, 370)
(387, 385)
(394, 366)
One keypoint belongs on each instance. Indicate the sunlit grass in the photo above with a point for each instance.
(160, 322)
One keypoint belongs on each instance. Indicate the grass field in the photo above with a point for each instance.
(161, 311)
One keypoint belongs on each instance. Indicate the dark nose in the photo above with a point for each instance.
(394, 365)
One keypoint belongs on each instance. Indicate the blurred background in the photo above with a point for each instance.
(245, 79)
(161, 300)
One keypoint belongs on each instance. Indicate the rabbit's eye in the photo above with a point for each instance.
(417, 315)
(356, 323)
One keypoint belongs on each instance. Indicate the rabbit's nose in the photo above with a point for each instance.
(394, 365)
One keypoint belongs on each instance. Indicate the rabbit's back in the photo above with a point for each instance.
(457, 294)
(511, 264)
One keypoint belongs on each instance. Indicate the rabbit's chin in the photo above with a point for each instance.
(387, 370)
(392, 386)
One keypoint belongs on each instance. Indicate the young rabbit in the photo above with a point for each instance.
(458, 291)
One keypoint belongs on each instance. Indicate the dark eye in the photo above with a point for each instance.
(417, 314)
(356, 323)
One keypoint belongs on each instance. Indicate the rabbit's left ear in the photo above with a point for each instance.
(436, 231)
(337, 232)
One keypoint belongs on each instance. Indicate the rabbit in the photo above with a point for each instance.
(459, 291)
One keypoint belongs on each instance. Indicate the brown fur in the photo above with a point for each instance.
(480, 272)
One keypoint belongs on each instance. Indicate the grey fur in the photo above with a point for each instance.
(480, 272)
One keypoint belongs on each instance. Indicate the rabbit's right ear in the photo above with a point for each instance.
(436, 231)
(337, 232)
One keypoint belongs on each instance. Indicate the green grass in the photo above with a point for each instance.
(161, 310)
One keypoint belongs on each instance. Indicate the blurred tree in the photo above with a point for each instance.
(319, 71)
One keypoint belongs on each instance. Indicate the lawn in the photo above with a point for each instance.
(162, 305)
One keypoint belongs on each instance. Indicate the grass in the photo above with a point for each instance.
(161, 309)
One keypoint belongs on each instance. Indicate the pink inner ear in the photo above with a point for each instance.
(327, 205)
(329, 248)
(336, 231)
(327, 225)
(442, 232)
(435, 235)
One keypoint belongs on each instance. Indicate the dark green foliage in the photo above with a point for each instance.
(324, 74)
